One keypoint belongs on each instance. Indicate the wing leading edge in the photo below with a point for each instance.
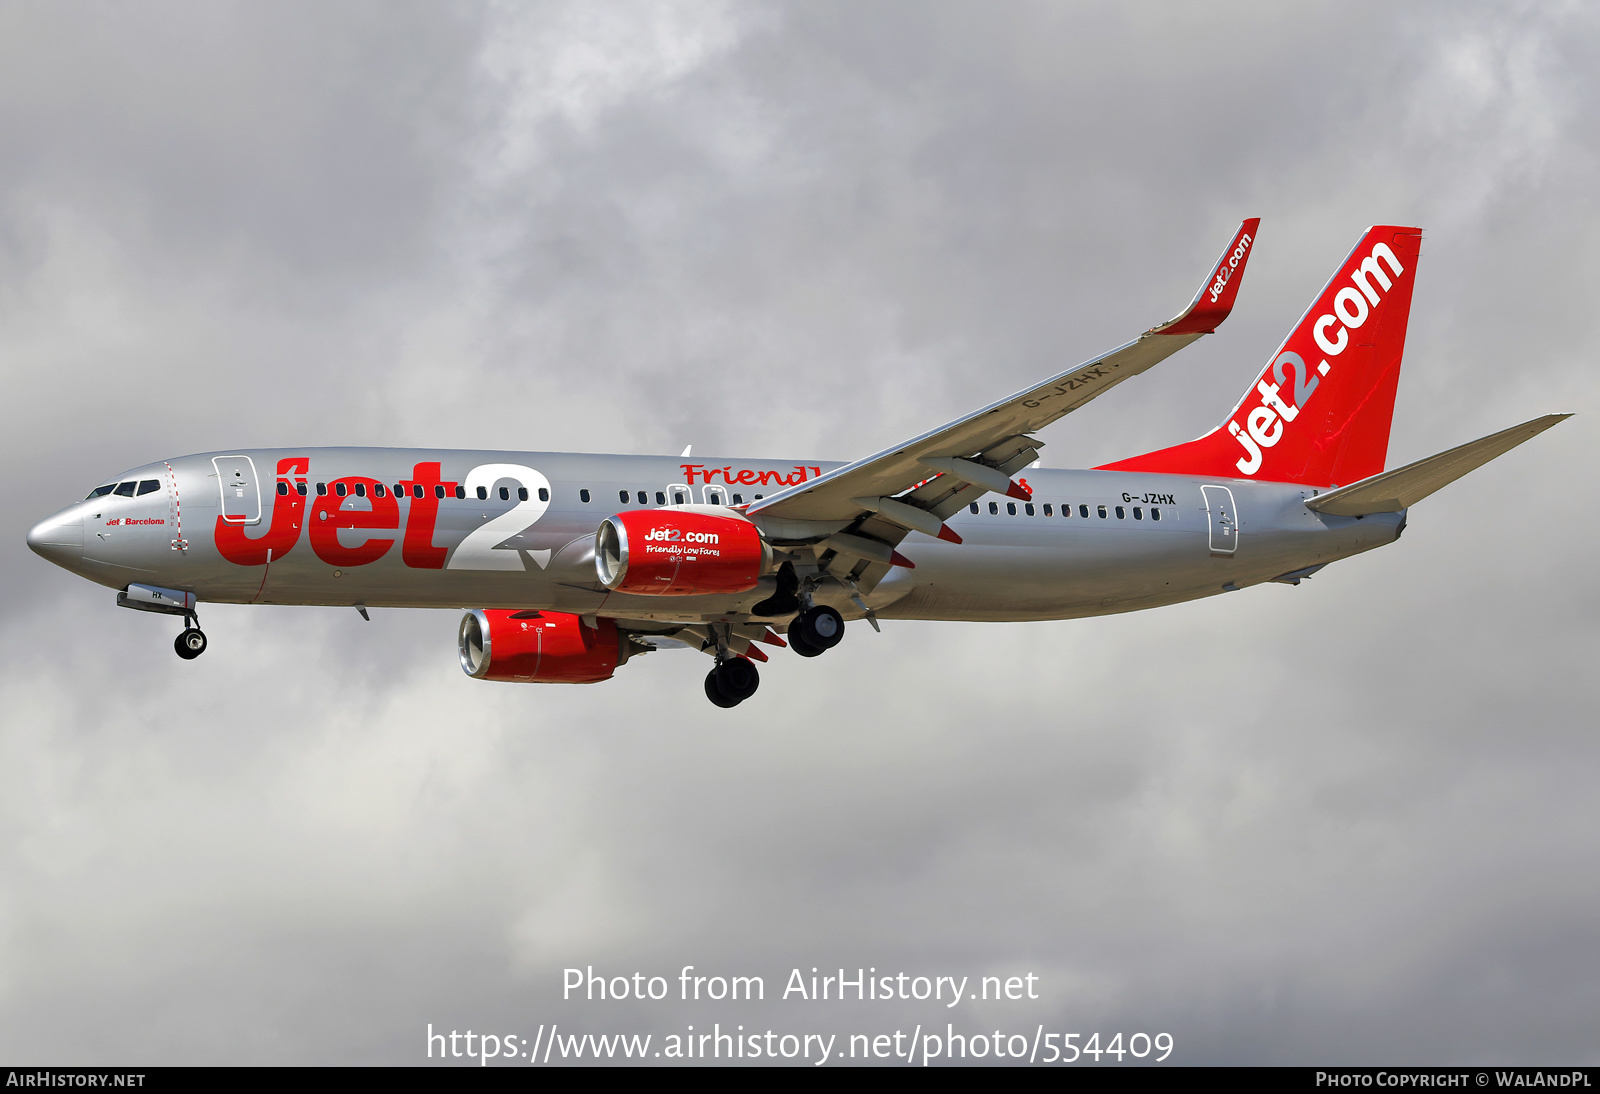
(941, 471)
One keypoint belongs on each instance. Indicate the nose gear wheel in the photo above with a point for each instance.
(190, 644)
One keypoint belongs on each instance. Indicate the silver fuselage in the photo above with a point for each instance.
(218, 527)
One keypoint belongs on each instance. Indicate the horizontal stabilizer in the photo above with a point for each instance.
(1403, 487)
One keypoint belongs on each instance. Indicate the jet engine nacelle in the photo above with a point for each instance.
(539, 647)
(678, 552)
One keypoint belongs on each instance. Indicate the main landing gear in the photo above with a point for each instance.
(192, 642)
(817, 629)
(732, 682)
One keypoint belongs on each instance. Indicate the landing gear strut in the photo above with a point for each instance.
(732, 682)
(815, 630)
(192, 642)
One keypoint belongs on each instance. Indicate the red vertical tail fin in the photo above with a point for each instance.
(1319, 413)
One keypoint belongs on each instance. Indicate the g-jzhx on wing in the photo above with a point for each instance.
(978, 453)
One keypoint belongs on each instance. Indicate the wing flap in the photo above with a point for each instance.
(1403, 487)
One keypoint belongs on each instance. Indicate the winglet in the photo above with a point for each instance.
(1214, 301)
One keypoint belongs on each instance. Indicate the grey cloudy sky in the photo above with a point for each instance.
(1353, 821)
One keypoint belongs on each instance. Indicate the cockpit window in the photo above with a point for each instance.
(124, 490)
(149, 486)
(101, 491)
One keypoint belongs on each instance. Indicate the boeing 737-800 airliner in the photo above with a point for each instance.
(572, 564)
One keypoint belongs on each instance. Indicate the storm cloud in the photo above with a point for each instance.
(1349, 821)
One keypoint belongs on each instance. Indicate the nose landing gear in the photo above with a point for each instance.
(191, 643)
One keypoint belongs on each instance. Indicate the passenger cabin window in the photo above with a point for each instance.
(1120, 514)
(416, 490)
(622, 496)
(124, 490)
(544, 494)
(341, 489)
(1028, 508)
(522, 493)
(399, 491)
(583, 496)
(101, 491)
(483, 493)
(461, 492)
(1101, 509)
(644, 499)
(1048, 511)
(760, 496)
(1138, 514)
(300, 488)
(377, 489)
(283, 487)
(1011, 508)
(973, 507)
(661, 498)
(1083, 511)
(505, 493)
(322, 489)
(738, 499)
(994, 508)
(149, 486)
(361, 489)
(1155, 514)
(713, 497)
(677, 497)
(438, 491)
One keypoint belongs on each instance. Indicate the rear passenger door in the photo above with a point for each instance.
(1223, 519)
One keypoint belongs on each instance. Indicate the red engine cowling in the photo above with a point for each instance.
(538, 647)
(677, 552)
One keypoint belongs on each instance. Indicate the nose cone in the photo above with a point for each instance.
(59, 539)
